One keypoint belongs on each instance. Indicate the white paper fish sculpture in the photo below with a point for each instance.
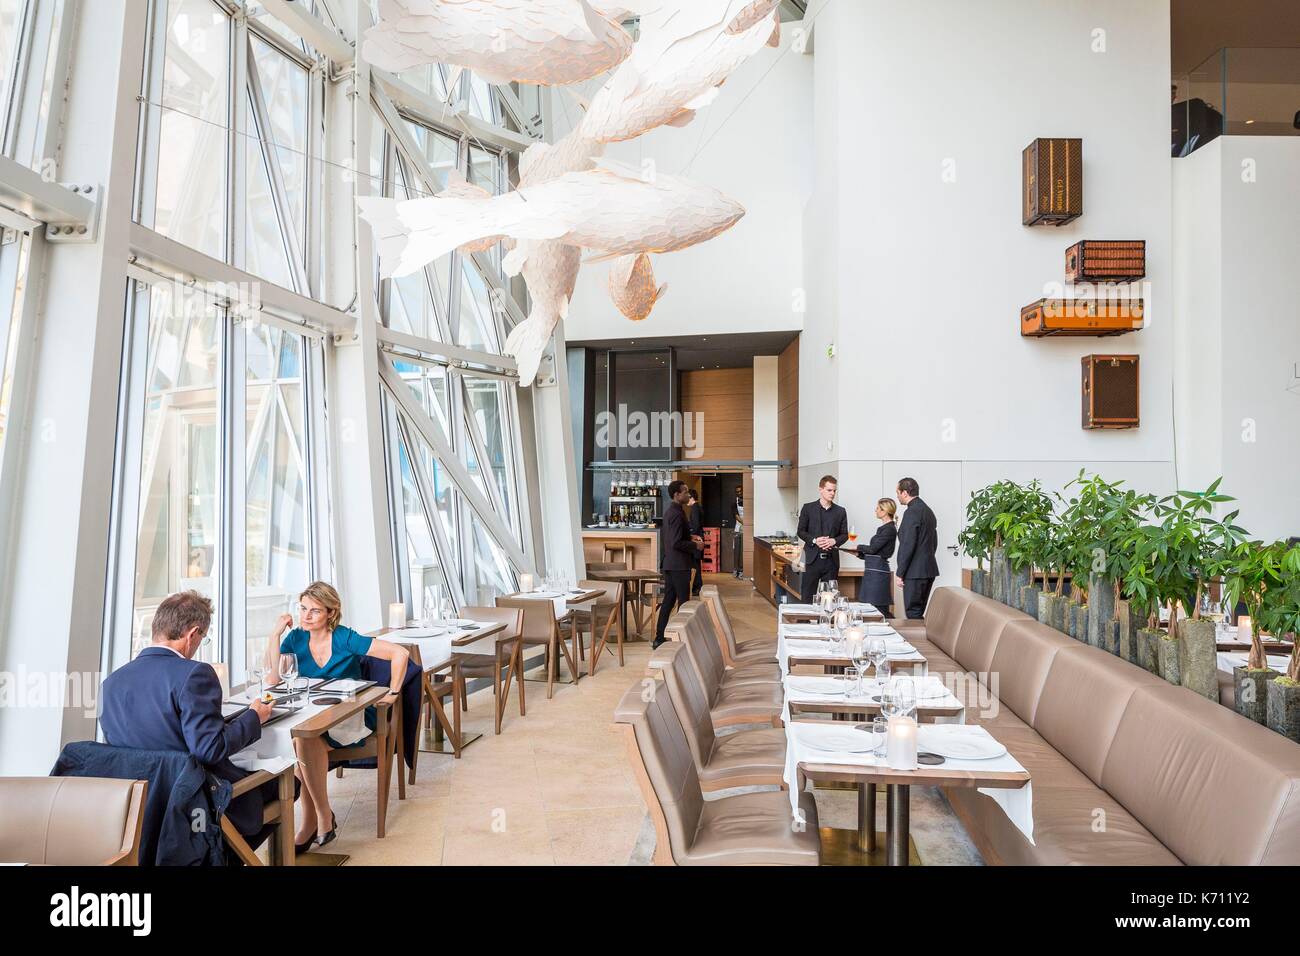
(684, 53)
(632, 286)
(610, 209)
(550, 268)
(547, 42)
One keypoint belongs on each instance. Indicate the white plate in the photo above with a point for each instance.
(818, 686)
(963, 746)
(879, 630)
(840, 741)
(926, 690)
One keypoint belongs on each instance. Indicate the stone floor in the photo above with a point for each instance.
(556, 788)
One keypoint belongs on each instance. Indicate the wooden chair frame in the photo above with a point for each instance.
(278, 811)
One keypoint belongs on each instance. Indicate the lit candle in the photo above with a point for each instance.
(853, 639)
(525, 583)
(223, 677)
(396, 616)
(900, 745)
(1243, 628)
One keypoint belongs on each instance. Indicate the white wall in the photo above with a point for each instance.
(1239, 201)
(924, 278)
(751, 143)
(770, 511)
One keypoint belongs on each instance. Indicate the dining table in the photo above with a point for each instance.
(438, 643)
(274, 754)
(824, 752)
(629, 579)
(568, 601)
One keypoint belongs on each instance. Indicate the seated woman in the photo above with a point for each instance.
(877, 581)
(325, 648)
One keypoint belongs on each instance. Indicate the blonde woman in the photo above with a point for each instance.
(877, 581)
(326, 648)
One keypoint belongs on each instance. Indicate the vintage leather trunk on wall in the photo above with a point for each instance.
(1093, 260)
(1101, 316)
(1110, 391)
(1053, 181)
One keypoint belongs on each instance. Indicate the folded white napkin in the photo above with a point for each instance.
(250, 761)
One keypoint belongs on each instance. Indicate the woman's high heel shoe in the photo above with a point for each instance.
(304, 847)
(333, 830)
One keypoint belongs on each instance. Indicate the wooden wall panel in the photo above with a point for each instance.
(787, 414)
(725, 396)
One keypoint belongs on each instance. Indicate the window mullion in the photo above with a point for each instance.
(237, 195)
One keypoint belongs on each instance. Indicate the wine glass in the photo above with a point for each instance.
(858, 654)
(878, 654)
(879, 734)
(289, 670)
(905, 696)
(853, 534)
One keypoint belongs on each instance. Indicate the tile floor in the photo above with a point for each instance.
(556, 788)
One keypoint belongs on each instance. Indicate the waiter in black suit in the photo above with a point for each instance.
(695, 518)
(823, 528)
(918, 540)
(679, 550)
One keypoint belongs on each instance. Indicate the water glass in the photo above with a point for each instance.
(879, 734)
(255, 675)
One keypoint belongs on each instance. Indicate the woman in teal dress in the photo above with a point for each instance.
(325, 648)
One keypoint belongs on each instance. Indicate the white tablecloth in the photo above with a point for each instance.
(787, 645)
(273, 751)
(1230, 659)
(1017, 804)
(938, 695)
(560, 600)
(801, 609)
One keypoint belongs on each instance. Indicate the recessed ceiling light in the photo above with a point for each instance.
(1248, 122)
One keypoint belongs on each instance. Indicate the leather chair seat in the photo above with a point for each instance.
(1065, 829)
(765, 654)
(746, 753)
(755, 829)
(757, 701)
(760, 672)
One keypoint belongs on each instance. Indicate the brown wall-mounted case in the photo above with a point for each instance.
(1053, 181)
(1110, 391)
(1093, 260)
(1095, 317)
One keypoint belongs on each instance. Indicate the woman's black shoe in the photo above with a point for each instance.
(304, 847)
(333, 831)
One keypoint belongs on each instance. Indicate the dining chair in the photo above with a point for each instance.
(503, 660)
(541, 628)
(749, 828)
(388, 724)
(604, 613)
(434, 688)
(649, 594)
(733, 651)
(730, 703)
(72, 821)
(620, 550)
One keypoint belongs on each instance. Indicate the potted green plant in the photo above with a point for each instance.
(1254, 569)
(1120, 512)
(977, 537)
(1279, 611)
(1023, 531)
(1004, 503)
(1160, 578)
(1214, 544)
(1053, 605)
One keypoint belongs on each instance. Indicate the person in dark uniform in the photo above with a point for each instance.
(877, 581)
(738, 534)
(679, 550)
(695, 518)
(823, 528)
(918, 540)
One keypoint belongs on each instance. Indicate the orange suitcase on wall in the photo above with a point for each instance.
(1081, 317)
(1093, 260)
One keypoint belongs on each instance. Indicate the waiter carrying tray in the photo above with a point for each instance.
(823, 528)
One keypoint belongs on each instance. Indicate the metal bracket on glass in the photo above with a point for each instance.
(546, 371)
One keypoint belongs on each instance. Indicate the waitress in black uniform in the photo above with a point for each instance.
(877, 580)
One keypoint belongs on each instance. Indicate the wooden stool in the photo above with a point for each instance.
(618, 549)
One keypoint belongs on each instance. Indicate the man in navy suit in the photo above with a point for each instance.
(163, 700)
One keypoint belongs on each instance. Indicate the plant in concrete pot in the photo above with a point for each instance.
(1121, 515)
(1025, 533)
(1214, 544)
(1254, 569)
(977, 537)
(1158, 578)
(1003, 503)
(1281, 613)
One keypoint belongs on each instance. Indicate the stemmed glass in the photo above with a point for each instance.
(289, 671)
(858, 654)
(878, 654)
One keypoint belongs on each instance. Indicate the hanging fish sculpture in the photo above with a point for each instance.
(610, 209)
(547, 42)
(632, 286)
(684, 53)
